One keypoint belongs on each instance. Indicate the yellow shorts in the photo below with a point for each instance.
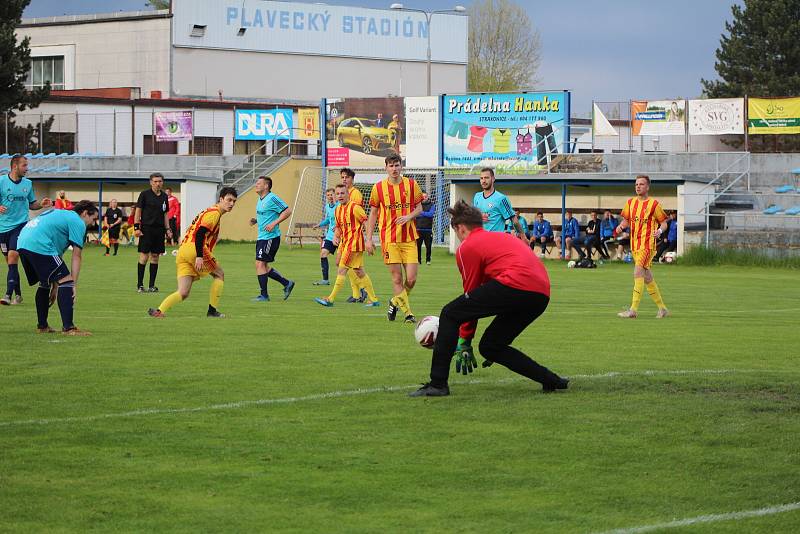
(643, 258)
(353, 260)
(185, 263)
(404, 253)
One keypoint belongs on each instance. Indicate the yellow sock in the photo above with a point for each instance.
(337, 286)
(169, 302)
(638, 285)
(408, 289)
(366, 283)
(354, 284)
(215, 292)
(655, 294)
(401, 301)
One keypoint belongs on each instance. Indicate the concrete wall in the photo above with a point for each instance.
(124, 53)
(241, 74)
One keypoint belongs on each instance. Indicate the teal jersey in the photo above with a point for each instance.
(268, 209)
(17, 198)
(52, 232)
(330, 220)
(497, 207)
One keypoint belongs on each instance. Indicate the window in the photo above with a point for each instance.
(206, 146)
(46, 69)
(161, 147)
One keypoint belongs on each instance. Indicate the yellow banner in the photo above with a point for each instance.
(773, 115)
(308, 123)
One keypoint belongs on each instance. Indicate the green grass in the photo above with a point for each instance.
(233, 429)
(704, 256)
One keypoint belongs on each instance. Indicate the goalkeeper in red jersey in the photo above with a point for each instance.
(503, 279)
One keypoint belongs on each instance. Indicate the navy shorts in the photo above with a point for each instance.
(266, 249)
(8, 240)
(42, 269)
(329, 246)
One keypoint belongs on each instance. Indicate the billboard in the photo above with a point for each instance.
(307, 123)
(516, 130)
(264, 124)
(422, 131)
(369, 129)
(328, 30)
(173, 125)
(716, 116)
(773, 115)
(658, 117)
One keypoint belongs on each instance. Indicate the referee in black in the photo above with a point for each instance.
(151, 226)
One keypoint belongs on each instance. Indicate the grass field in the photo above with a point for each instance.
(293, 417)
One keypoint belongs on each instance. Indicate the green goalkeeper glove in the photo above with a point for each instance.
(465, 357)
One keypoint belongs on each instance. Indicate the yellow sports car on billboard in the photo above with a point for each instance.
(364, 135)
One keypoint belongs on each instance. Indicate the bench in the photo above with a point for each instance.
(303, 231)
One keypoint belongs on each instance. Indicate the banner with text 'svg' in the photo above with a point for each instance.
(658, 117)
(518, 131)
(773, 115)
(173, 125)
(716, 116)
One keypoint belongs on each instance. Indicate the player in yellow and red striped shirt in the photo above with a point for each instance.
(349, 236)
(396, 201)
(646, 220)
(196, 259)
(348, 178)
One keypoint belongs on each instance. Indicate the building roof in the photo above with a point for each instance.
(95, 17)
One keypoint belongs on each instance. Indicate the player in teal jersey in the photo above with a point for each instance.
(495, 206)
(327, 248)
(16, 198)
(42, 242)
(271, 211)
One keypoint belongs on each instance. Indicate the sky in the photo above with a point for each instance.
(601, 50)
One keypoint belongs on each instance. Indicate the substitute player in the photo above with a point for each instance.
(16, 198)
(195, 257)
(398, 201)
(647, 221)
(42, 242)
(349, 234)
(151, 226)
(348, 179)
(502, 278)
(271, 211)
(329, 223)
(495, 207)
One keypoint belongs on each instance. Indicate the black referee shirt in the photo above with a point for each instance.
(153, 207)
(112, 215)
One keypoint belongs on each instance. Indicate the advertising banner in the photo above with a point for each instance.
(658, 117)
(716, 116)
(173, 125)
(506, 131)
(264, 124)
(368, 128)
(773, 115)
(422, 131)
(308, 123)
(337, 157)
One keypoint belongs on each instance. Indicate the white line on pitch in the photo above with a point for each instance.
(712, 518)
(345, 393)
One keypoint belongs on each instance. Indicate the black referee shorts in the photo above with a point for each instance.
(152, 240)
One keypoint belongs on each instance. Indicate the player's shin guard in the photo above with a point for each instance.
(12, 279)
(153, 273)
(140, 274)
(638, 286)
(262, 283)
(65, 303)
(42, 305)
(401, 301)
(324, 264)
(354, 284)
(170, 301)
(337, 286)
(215, 292)
(275, 275)
(655, 294)
(366, 283)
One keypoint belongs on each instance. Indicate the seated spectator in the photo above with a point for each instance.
(542, 233)
(668, 242)
(571, 232)
(592, 239)
(524, 223)
(62, 203)
(607, 226)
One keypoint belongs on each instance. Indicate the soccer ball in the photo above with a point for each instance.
(571, 264)
(426, 331)
(669, 257)
(175, 252)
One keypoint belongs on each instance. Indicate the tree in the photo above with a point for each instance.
(15, 61)
(760, 56)
(504, 48)
(158, 4)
